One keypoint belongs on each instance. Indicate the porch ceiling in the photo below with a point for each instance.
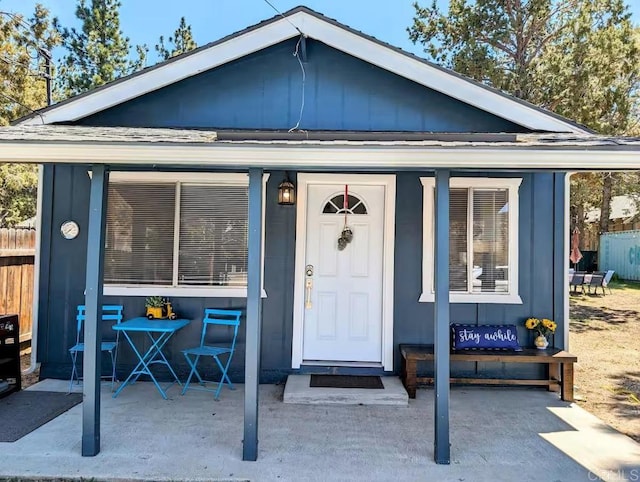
(371, 151)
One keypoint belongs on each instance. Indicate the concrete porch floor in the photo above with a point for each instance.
(496, 434)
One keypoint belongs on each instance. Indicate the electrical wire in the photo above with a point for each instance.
(11, 99)
(282, 15)
(296, 54)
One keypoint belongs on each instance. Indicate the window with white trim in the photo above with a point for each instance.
(176, 231)
(483, 240)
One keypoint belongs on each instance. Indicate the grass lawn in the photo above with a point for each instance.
(605, 336)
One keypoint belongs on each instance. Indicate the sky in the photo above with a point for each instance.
(143, 21)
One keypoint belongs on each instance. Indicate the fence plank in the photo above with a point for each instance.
(17, 250)
(12, 239)
(14, 283)
(4, 238)
(26, 302)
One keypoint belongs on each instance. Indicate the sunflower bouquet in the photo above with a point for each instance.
(543, 327)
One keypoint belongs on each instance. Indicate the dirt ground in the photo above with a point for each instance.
(25, 361)
(605, 336)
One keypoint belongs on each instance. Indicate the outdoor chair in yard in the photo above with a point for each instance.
(577, 280)
(111, 314)
(596, 281)
(213, 320)
(606, 280)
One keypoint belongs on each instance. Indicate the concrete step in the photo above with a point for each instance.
(297, 390)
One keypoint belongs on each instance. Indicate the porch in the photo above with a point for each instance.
(497, 434)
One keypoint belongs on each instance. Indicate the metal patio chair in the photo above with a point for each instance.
(577, 280)
(606, 280)
(213, 318)
(111, 314)
(596, 281)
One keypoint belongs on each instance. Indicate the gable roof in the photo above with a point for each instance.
(328, 31)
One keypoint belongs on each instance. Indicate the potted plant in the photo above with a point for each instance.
(154, 305)
(542, 328)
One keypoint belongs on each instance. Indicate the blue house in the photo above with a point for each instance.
(455, 195)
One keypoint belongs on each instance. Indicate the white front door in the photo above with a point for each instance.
(343, 288)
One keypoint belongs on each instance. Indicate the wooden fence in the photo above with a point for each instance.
(17, 253)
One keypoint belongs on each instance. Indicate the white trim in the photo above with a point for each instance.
(176, 234)
(33, 364)
(389, 183)
(566, 251)
(178, 178)
(184, 291)
(292, 156)
(428, 187)
(316, 363)
(233, 178)
(326, 32)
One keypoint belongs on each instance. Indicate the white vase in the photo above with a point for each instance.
(541, 342)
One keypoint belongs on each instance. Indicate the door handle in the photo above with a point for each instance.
(308, 285)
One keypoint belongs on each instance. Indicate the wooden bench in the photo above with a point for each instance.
(559, 362)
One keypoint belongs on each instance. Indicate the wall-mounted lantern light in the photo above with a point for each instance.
(286, 192)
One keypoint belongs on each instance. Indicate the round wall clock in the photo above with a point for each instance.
(69, 229)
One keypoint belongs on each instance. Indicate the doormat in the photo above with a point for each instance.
(345, 381)
(25, 411)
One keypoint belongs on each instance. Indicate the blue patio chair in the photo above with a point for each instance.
(212, 318)
(111, 314)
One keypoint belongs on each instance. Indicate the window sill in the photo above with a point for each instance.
(178, 291)
(475, 298)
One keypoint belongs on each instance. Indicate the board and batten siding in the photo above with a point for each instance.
(63, 269)
(264, 91)
(541, 233)
(62, 285)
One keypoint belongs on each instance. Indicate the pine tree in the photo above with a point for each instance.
(24, 45)
(578, 58)
(97, 53)
(182, 41)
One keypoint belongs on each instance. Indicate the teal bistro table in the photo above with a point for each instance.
(159, 332)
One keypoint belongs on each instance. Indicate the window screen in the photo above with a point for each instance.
(481, 264)
(458, 203)
(210, 235)
(213, 235)
(139, 235)
(491, 239)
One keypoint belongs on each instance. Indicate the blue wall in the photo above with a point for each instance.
(64, 268)
(63, 271)
(264, 91)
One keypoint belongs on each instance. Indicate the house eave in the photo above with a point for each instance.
(241, 156)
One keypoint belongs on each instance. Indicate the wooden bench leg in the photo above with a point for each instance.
(409, 374)
(566, 392)
(554, 377)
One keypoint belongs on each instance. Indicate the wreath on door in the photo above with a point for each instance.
(346, 236)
